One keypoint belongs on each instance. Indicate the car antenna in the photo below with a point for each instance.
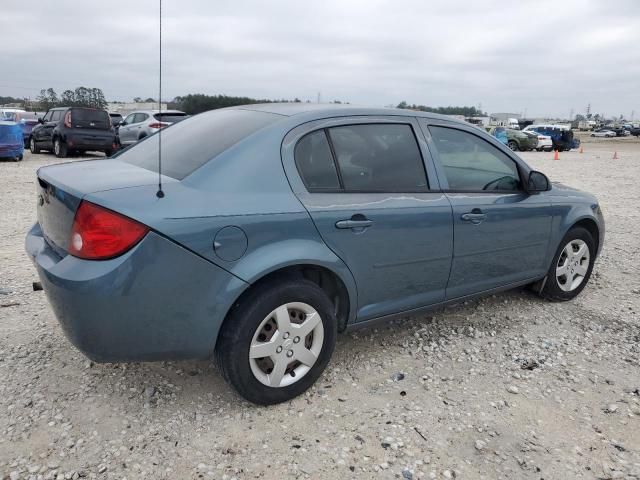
(160, 193)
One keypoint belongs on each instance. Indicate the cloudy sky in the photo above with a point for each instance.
(542, 57)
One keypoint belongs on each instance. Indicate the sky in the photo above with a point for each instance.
(542, 58)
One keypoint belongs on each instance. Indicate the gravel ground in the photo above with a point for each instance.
(505, 387)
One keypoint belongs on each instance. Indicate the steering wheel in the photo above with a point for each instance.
(497, 181)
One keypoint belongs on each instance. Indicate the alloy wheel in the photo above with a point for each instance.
(286, 344)
(56, 147)
(573, 265)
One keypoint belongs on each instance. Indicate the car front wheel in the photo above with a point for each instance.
(33, 146)
(277, 340)
(513, 146)
(571, 267)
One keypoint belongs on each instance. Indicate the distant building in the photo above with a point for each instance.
(510, 120)
(125, 108)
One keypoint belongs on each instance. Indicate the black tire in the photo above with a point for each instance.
(33, 146)
(60, 148)
(236, 334)
(552, 290)
(141, 136)
(18, 158)
(512, 145)
(108, 153)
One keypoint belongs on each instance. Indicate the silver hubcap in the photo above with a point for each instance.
(32, 144)
(572, 265)
(56, 147)
(286, 344)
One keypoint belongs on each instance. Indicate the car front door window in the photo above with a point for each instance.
(472, 164)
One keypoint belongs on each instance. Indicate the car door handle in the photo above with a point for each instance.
(473, 217)
(364, 223)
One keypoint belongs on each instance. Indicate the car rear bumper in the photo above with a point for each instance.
(158, 301)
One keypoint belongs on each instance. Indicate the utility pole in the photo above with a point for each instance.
(318, 97)
(571, 115)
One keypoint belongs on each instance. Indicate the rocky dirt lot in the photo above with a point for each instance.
(505, 387)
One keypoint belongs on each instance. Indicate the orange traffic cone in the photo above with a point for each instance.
(615, 155)
(581, 151)
(556, 156)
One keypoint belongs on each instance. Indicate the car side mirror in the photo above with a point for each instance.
(121, 124)
(538, 182)
(40, 120)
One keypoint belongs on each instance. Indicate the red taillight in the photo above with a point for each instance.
(158, 125)
(67, 119)
(99, 234)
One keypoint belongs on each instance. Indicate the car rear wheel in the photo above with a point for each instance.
(277, 340)
(59, 148)
(33, 146)
(108, 153)
(513, 145)
(571, 267)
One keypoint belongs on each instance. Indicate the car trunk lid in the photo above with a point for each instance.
(62, 187)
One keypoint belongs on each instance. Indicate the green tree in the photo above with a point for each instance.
(47, 99)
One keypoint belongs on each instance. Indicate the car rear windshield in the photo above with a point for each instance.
(90, 118)
(169, 117)
(189, 144)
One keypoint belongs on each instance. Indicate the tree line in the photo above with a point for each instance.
(192, 103)
(466, 111)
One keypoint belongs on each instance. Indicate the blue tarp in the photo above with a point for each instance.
(11, 140)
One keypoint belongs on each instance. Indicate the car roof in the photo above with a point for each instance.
(321, 110)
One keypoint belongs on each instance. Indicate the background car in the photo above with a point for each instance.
(142, 123)
(545, 143)
(515, 139)
(7, 112)
(603, 132)
(280, 225)
(561, 136)
(11, 143)
(64, 130)
(116, 119)
(26, 120)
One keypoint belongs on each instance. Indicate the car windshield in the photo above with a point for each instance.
(170, 117)
(189, 144)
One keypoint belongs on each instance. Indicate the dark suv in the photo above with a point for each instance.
(64, 130)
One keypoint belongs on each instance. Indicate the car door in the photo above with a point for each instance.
(501, 233)
(48, 126)
(38, 132)
(377, 207)
(125, 130)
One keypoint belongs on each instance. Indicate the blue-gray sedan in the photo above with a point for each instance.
(279, 226)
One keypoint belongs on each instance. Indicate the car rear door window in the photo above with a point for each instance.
(378, 158)
(140, 117)
(472, 164)
(315, 162)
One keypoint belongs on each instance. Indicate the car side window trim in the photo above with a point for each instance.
(442, 175)
(336, 165)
